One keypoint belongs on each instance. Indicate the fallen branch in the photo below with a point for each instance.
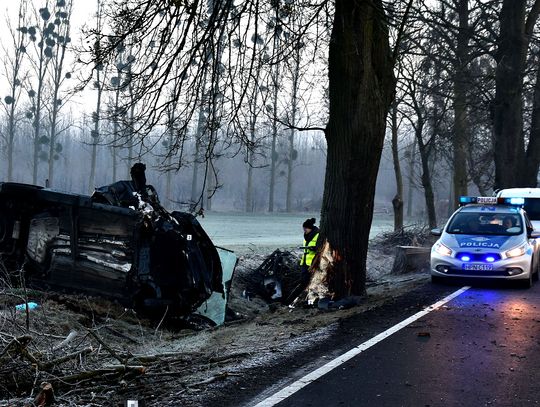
(221, 376)
(16, 344)
(107, 347)
(122, 335)
(72, 335)
(58, 361)
(225, 358)
(159, 357)
(108, 370)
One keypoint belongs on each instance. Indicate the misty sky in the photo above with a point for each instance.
(83, 14)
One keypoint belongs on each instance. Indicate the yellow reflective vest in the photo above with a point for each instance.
(307, 257)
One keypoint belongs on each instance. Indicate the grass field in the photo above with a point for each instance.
(250, 232)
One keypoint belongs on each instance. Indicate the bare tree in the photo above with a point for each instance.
(397, 201)
(361, 87)
(15, 77)
(425, 115)
(56, 42)
(100, 71)
(292, 153)
(40, 60)
(277, 21)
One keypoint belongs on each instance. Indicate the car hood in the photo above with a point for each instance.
(490, 243)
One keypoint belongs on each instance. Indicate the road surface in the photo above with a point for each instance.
(481, 348)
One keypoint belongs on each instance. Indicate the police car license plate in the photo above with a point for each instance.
(478, 267)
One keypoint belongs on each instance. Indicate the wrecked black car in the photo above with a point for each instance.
(120, 244)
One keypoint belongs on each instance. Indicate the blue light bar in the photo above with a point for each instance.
(463, 200)
(491, 200)
(516, 201)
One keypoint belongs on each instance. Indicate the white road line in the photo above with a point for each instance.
(318, 373)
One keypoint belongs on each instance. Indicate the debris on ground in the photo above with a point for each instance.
(409, 259)
(412, 235)
(411, 247)
(89, 351)
(276, 278)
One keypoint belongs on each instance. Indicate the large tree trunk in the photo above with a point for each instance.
(11, 137)
(116, 136)
(532, 161)
(250, 150)
(37, 117)
(426, 173)
(460, 140)
(397, 202)
(410, 192)
(508, 120)
(94, 136)
(428, 189)
(361, 89)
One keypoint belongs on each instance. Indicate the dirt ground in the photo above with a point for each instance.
(95, 353)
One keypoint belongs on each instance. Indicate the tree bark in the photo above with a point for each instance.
(14, 79)
(294, 111)
(428, 189)
(508, 116)
(94, 136)
(361, 88)
(410, 193)
(116, 134)
(38, 105)
(460, 141)
(397, 202)
(250, 156)
(275, 82)
(532, 161)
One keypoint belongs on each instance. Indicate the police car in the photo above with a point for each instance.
(532, 201)
(487, 237)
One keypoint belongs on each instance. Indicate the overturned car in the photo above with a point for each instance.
(120, 244)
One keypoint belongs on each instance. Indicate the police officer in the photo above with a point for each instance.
(311, 234)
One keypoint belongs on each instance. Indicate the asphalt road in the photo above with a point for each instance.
(480, 349)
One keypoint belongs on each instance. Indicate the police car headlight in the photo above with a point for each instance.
(442, 249)
(518, 251)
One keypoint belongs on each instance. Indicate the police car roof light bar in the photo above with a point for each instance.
(490, 200)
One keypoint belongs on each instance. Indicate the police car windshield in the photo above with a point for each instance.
(481, 223)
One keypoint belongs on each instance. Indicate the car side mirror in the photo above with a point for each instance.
(436, 232)
(534, 234)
